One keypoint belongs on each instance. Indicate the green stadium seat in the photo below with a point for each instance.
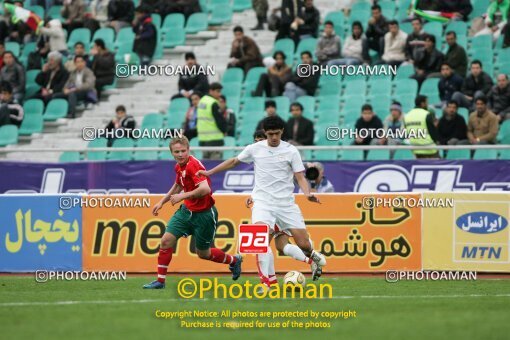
(430, 89)
(146, 155)
(388, 9)
(459, 27)
(328, 115)
(458, 154)
(481, 42)
(328, 79)
(27, 49)
(286, 46)
(252, 79)
(308, 44)
(328, 103)
(379, 86)
(408, 87)
(242, 5)
(352, 155)
(479, 8)
(360, 11)
(504, 154)
(356, 87)
(33, 106)
(380, 103)
(234, 103)
(79, 35)
(503, 56)
(221, 15)
(229, 141)
(219, 3)
(355, 101)
(203, 6)
(156, 20)
(282, 104)
(406, 27)
(331, 89)
(403, 10)
(38, 10)
(152, 121)
(378, 155)
(435, 28)
(321, 131)
(69, 156)
(406, 101)
(233, 75)
(174, 37)
(54, 12)
(404, 71)
(14, 47)
(253, 106)
(177, 112)
(485, 154)
(8, 135)
(326, 155)
(504, 132)
(504, 67)
(464, 113)
(194, 143)
(97, 155)
(338, 20)
(115, 152)
(174, 21)
(105, 33)
(56, 108)
(125, 35)
(245, 136)
(230, 90)
(197, 22)
(350, 116)
(308, 103)
(403, 154)
(32, 123)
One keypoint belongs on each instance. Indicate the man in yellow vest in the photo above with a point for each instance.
(421, 129)
(211, 125)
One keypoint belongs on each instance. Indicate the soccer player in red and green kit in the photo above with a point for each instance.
(197, 216)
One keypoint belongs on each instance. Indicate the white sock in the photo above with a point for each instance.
(295, 252)
(263, 261)
(270, 267)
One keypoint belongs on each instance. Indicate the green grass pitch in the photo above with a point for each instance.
(122, 310)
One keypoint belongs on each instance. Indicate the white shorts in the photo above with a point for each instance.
(288, 217)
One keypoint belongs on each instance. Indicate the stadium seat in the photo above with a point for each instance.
(352, 155)
(118, 144)
(328, 103)
(242, 5)
(328, 115)
(326, 155)
(328, 79)
(504, 154)
(203, 6)
(286, 46)
(379, 86)
(403, 10)
(146, 155)
(197, 22)
(332, 88)
(350, 116)
(282, 104)
(69, 156)
(360, 11)
(503, 56)
(479, 8)
(403, 154)
(435, 28)
(152, 121)
(322, 137)
(355, 101)
(230, 90)
(177, 112)
(173, 21)
(252, 79)
(430, 89)
(407, 87)
(338, 20)
(504, 132)
(221, 15)
(174, 37)
(380, 104)
(233, 75)
(388, 9)
(234, 103)
(406, 27)
(253, 106)
(481, 42)
(32, 123)
(8, 135)
(125, 35)
(31, 86)
(54, 12)
(464, 113)
(229, 141)
(356, 87)
(308, 103)
(33, 106)
(14, 47)
(194, 143)
(105, 33)
(38, 10)
(156, 20)
(404, 71)
(79, 35)
(406, 101)
(458, 154)
(28, 48)
(308, 44)
(96, 155)
(56, 108)
(485, 154)
(378, 155)
(459, 27)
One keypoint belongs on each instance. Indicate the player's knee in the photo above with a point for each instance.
(204, 255)
(167, 241)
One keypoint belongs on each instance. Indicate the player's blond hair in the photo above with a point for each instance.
(179, 140)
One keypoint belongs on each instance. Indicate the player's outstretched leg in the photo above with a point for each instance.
(218, 256)
(166, 249)
(303, 242)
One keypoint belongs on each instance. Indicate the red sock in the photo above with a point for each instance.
(219, 256)
(164, 258)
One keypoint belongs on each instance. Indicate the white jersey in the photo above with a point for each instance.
(274, 171)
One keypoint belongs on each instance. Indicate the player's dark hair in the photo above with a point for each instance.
(273, 123)
(307, 53)
(366, 107)
(417, 19)
(451, 32)
(100, 43)
(297, 104)
(259, 134)
(215, 86)
(420, 99)
(476, 61)
(79, 43)
(376, 7)
(238, 29)
(270, 103)
(76, 57)
(454, 102)
(483, 99)
(445, 63)
(279, 53)
(189, 55)
(431, 38)
(393, 22)
(329, 22)
(120, 108)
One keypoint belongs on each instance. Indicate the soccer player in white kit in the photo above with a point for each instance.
(276, 164)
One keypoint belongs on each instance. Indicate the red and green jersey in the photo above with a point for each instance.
(186, 177)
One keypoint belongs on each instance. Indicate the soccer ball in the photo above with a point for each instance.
(293, 279)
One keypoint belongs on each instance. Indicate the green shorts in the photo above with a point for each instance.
(202, 225)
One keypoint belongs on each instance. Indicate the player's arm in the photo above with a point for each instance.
(305, 188)
(176, 188)
(201, 190)
(224, 166)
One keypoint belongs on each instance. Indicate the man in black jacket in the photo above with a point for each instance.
(477, 84)
(299, 129)
(308, 22)
(120, 13)
(366, 126)
(499, 98)
(145, 35)
(192, 81)
(427, 60)
(452, 127)
(52, 78)
(415, 40)
(290, 10)
(449, 83)
(9, 105)
(122, 121)
(377, 28)
(456, 55)
(301, 84)
(103, 65)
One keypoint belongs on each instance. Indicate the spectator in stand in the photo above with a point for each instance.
(328, 46)
(428, 60)
(211, 123)
(290, 10)
(452, 128)
(192, 80)
(9, 106)
(120, 14)
(121, 121)
(483, 125)
(394, 122)
(190, 123)
(270, 108)
(499, 98)
(456, 55)
(455, 9)
(52, 78)
(449, 83)
(306, 25)
(145, 35)
(74, 13)
(103, 65)
(260, 7)
(186, 7)
(496, 19)
(477, 84)
(415, 40)
(2, 51)
(79, 49)
(299, 129)
(56, 36)
(80, 86)
(354, 51)
(302, 84)
(377, 28)
(273, 82)
(244, 52)
(99, 11)
(394, 45)
(14, 74)
(229, 116)
(369, 122)
(18, 30)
